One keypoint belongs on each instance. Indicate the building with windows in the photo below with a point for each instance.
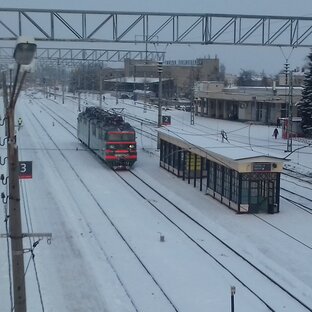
(257, 104)
(184, 73)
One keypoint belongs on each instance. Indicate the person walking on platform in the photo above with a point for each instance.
(275, 133)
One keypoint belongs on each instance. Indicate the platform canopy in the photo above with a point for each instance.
(237, 156)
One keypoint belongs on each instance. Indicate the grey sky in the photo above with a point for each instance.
(268, 59)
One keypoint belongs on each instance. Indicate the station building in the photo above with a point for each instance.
(182, 72)
(243, 180)
(256, 104)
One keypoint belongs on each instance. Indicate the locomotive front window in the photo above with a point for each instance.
(124, 137)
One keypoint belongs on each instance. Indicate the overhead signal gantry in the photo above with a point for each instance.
(156, 28)
(75, 56)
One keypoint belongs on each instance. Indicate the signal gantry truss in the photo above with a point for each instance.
(156, 28)
(71, 56)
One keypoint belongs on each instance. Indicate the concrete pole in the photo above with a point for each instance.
(63, 92)
(290, 115)
(101, 88)
(79, 101)
(117, 90)
(159, 93)
(159, 100)
(15, 226)
(54, 88)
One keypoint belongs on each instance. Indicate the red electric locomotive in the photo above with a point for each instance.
(109, 136)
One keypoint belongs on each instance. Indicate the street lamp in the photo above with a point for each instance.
(24, 52)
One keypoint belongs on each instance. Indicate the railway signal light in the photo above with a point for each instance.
(286, 72)
(160, 67)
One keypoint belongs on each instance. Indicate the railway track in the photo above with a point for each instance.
(306, 208)
(101, 208)
(298, 175)
(163, 205)
(259, 271)
(292, 194)
(298, 203)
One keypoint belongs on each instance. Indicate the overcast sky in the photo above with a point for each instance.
(268, 59)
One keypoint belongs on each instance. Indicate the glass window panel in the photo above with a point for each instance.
(125, 137)
(234, 195)
(245, 189)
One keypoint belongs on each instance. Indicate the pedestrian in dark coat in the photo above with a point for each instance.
(275, 133)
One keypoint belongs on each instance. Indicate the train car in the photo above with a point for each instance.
(109, 136)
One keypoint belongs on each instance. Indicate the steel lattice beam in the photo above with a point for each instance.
(70, 55)
(156, 28)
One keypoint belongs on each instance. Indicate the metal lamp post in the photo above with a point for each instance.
(24, 52)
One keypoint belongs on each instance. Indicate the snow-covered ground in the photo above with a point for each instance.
(106, 253)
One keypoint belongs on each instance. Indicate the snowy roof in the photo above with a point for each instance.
(136, 80)
(213, 145)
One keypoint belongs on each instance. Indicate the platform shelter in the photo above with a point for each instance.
(244, 180)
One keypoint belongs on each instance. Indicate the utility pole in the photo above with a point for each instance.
(63, 89)
(15, 226)
(79, 101)
(192, 111)
(134, 74)
(23, 54)
(288, 81)
(101, 87)
(145, 63)
(160, 69)
(290, 114)
(117, 77)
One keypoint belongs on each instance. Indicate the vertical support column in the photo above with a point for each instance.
(174, 150)
(101, 88)
(231, 181)
(222, 181)
(161, 152)
(195, 168)
(217, 108)
(160, 69)
(233, 290)
(224, 105)
(159, 98)
(192, 112)
(278, 185)
(208, 173)
(202, 106)
(63, 89)
(239, 191)
(201, 173)
(184, 165)
(79, 101)
(15, 226)
(189, 167)
(290, 115)
(214, 176)
(180, 153)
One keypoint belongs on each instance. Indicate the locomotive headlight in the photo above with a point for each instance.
(131, 146)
